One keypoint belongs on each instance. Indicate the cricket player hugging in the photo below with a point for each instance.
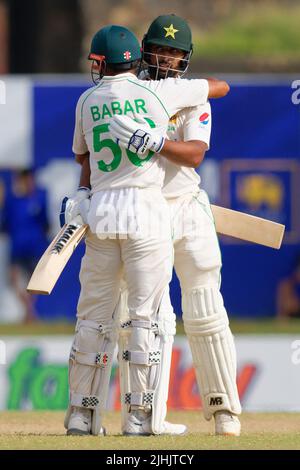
(117, 245)
(167, 49)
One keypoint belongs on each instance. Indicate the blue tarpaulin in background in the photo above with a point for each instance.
(256, 149)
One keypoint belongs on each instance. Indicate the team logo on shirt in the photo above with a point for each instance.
(204, 118)
(173, 123)
(173, 119)
(127, 55)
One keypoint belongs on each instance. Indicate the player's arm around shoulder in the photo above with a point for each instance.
(180, 93)
(189, 154)
(188, 151)
(217, 88)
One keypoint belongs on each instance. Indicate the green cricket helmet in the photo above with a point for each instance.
(170, 31)
(114, 45)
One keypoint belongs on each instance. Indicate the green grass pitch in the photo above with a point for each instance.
(44, 430)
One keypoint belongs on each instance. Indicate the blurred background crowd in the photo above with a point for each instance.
(253, 164)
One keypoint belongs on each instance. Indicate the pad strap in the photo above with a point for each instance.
(84, 401)
(99, 359)
(148, 325)
(161, 327)
(139, 398)
(143, 358)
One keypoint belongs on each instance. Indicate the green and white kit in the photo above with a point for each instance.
(197, 261)
(119, 177)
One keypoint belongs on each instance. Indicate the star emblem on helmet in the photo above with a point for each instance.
(170, 31)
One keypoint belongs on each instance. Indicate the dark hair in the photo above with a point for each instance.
(25, 172)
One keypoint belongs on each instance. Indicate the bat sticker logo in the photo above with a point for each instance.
(61, 242)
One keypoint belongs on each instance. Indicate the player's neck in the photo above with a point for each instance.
(109, 72)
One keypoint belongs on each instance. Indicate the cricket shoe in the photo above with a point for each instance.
(227, 424)
(139, 426)
(80, 423)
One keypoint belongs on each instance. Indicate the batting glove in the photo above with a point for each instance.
(75, 207)
(135, 135)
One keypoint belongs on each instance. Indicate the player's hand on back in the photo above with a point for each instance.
(76, 207)
(135, 135)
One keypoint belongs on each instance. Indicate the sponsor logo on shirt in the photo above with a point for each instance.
(204, 118)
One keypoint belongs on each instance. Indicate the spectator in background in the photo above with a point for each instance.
(288, 294)
(24, 219)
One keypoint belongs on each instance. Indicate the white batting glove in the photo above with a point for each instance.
(78, 205)
(135, 136)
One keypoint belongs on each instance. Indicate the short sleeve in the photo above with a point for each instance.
(79, 144)
(197, 124)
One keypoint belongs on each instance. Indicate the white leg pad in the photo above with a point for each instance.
(124, 332)
(90, 368)
(145, 350)
(213, 350)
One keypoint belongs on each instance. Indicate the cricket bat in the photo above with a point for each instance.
(248, 227)
(228, 222)
(53, 261)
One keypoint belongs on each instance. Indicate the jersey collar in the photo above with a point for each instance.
(119, 76)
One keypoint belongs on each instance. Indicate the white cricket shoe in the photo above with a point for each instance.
(80, 422)
(140, 426)
(227, 424)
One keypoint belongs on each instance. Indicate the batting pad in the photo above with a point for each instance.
(213, 350)
(145, 350)
(90, 368)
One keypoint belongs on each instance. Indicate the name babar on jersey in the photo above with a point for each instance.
(114, 168)
(124, 94)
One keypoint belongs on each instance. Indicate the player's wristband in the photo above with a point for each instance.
(83, 188)
(158, 146)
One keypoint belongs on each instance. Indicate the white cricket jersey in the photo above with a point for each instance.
(189, 124)
(155, 101)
